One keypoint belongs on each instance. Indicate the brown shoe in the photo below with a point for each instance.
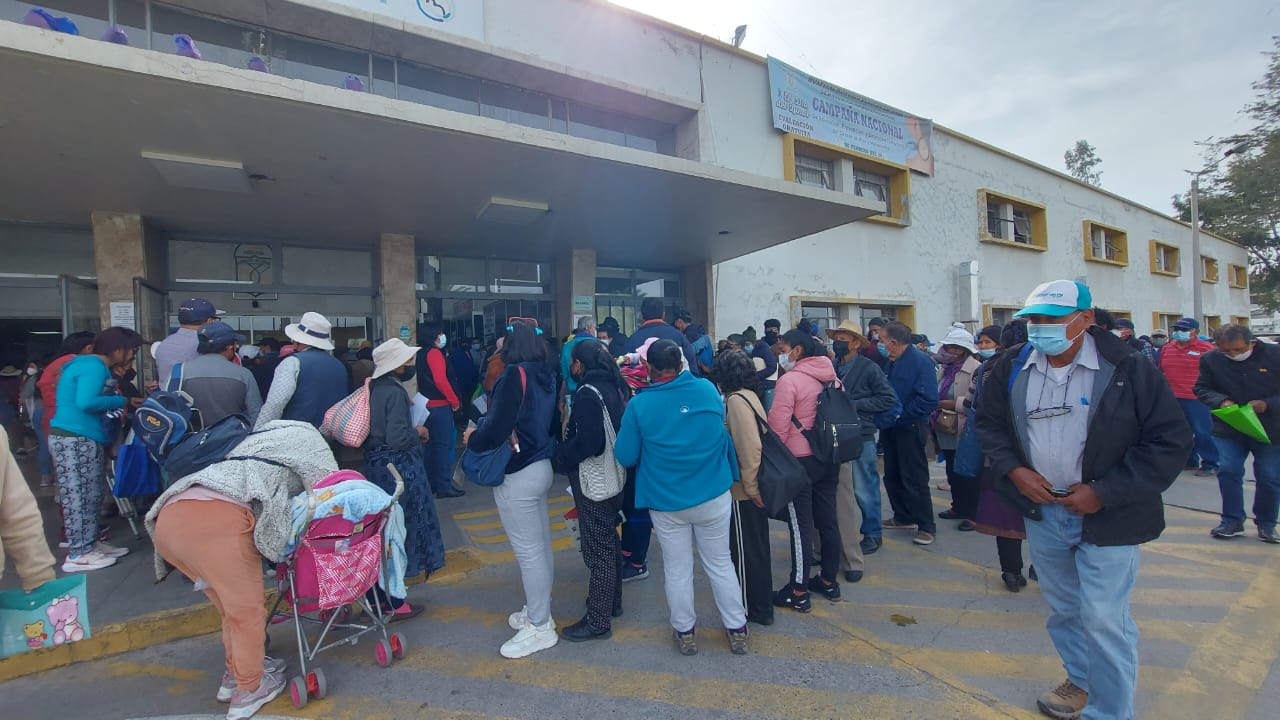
(892, 524)
(1064, 702)
(922, 538)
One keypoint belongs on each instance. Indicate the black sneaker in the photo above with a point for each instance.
(785, 598)
(737, 640)
(581, 632)
(870, 545)
(1014, 582)
(830, 592)
(685, 642)
(630, 572)
(852, 576)
(949, 514)
(1268, 535)
(1227, 530)
(966, 526)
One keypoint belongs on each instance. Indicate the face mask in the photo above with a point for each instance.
(1181, 335)
(770, 338)
(1118, 333)
(1159, 341)
(1242, 356)
(31, 371)
(406, 373)
(442, 341)
(947, 357)
(748, 348)
(884, 351)
(840, 347)
(475, 346)
(987, 354)
(786, 362)
(874, 336)
(1050, 340)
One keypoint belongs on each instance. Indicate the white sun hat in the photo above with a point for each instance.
(390, 355)
(313, 329)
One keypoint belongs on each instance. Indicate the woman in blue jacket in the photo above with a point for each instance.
(87, 391)
(674, 431)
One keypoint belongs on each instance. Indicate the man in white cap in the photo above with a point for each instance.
(311, 380)
(1084, 435)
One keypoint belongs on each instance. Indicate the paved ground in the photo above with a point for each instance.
(929, 633)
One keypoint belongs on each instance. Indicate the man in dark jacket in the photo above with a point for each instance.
(859, 490)
(914, 379)
(763, 349)
(1090, 435)
(1243, 371)
(655, 326)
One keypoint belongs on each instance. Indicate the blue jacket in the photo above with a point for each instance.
(675, 433)
(322, 381)
(914, 379)
(82, 398)
(662, 331)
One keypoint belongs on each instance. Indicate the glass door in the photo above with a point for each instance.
(79, 305)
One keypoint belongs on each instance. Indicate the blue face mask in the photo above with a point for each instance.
(987, 354)
(884, 351)
(1181, 335)
(748, 348)
(1050, 340)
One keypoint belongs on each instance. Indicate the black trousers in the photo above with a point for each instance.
(1010, 552)
(814, 512)
(637, 529)
(597, 526)
(906, 476)
(749, 546)
(964, 490)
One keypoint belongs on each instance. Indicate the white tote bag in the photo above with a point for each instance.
(602, 476)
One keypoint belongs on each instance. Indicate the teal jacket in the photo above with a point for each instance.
(82, 398)
(675, 433)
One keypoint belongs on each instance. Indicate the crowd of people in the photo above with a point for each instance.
(1061, 428)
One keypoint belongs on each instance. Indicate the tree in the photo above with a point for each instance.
(1082, 161)
(1242, 202)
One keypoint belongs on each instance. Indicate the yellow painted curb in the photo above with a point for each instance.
(168, 625)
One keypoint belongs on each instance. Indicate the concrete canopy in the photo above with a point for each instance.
(341, 167)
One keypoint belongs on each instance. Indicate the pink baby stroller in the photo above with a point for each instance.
(325, 581)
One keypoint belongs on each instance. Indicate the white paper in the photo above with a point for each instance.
(123, 315)
(481, 403)
(418, 411)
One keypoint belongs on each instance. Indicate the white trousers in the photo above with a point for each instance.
(707, 526)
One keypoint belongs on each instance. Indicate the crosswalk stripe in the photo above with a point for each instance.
(491, 512)
(494, 557)
(121, 668)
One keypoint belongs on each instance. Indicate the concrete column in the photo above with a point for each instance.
(119, 255)
(398, 261)
(700, 295)
(575, 277)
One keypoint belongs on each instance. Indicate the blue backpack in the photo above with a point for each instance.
(165, 418)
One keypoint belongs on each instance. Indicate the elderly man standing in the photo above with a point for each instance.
(1089, 435)
(308, 382)
(913, 377)
(1243, 371)
(1180, 362)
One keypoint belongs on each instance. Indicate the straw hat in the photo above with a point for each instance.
(313, 329)
(390, 355)
(847, 326)
(10, 371)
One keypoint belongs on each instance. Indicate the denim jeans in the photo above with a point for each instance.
(1087, 588)
(866, 489)
(1204, 453)
(1266, 470)
(438, 449)
(46, 458)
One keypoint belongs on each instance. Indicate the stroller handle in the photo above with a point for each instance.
(399, 482)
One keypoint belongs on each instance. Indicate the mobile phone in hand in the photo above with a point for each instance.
(1059, 493)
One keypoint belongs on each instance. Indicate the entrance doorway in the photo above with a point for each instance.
(470, 317)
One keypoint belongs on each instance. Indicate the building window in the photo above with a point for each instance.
(1165, 259)
(871, 186)
(1241, 320)
(1211, 324)
(1120, 314)
(815, 172)
(1209, 269)
(1013, 222)
(822, 316)
(1105, 244)
(1238, 276)
(1164, 321)
(998, 314)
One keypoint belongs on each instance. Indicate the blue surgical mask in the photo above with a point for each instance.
(1181, 335)
(987, 354)
(884, 351)
(475, 346)
(1050, 340)
(442, 341)
(748, 348)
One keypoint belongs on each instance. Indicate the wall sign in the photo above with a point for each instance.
(584, 304)
(809, 107)
(123, 314)
(460, 17)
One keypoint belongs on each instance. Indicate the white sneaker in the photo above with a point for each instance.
(245, 704)
(92, 560)
(109, 550)
(517, 620)
(227, 690)
(530, 639)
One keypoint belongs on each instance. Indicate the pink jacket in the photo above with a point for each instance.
(797, 394)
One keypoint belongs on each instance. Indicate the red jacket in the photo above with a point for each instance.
(48, 387)
(1181, 366)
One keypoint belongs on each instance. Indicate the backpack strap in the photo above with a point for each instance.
(175, 378)
(1018, 362)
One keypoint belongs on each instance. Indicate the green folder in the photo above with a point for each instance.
(1244, 419)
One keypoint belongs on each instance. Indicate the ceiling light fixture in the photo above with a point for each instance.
(200, 173)
(512, 212)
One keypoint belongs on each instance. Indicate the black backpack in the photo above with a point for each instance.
(836, 435)
(198, 450)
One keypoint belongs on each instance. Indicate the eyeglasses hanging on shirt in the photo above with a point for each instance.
(1055, 409)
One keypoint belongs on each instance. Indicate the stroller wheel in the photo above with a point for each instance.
(316, 684)
(398, 645)
(382, 653)
(298, 692)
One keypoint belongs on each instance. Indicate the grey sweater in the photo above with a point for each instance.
(389, 417)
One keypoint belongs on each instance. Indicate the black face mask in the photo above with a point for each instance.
(771, 338)
(841, 348)
(406, 374)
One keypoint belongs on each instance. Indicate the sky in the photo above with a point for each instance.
(1141, 80)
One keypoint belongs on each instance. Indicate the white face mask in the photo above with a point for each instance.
(442, 341)
(786, 362)
(1242, 356)
(1118, 333)
(31, 371)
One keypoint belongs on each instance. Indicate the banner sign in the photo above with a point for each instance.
(460, 17)
(809, 107)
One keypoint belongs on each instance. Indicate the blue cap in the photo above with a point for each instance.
(195, 310)
(219, 335)
(1057, 298)
(1187, 323)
